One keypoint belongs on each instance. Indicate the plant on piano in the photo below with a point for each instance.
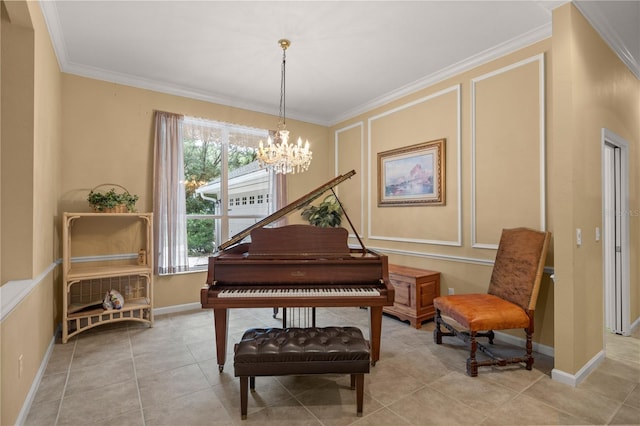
(327, 214)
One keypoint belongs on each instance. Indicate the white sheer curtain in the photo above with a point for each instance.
(170, 216)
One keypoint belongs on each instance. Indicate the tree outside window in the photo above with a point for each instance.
(215, 156)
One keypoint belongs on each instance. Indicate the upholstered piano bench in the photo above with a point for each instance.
(298, 351)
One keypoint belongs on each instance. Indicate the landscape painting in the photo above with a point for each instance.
(412, 175)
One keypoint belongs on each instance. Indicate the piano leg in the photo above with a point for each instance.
(375, 331)
(221, 324)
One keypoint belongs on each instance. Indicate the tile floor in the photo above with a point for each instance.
(128, 374)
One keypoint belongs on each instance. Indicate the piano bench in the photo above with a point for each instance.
(298, 351)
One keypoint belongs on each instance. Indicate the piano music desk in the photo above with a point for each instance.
(415, 290)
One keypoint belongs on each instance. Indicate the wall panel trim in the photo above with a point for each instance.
(457, 242)
(542, 142)
(359, 124)
(14, 292)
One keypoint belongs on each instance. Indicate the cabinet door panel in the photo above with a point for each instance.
(427, 293)
(403, 293)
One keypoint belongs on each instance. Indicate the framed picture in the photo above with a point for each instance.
(413, 175)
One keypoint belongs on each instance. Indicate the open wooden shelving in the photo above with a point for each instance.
(89, 276)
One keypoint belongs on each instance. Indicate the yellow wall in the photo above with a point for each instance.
(592, 89)
(82, 132)
(108, 138)
(31, 140)
(491, 118)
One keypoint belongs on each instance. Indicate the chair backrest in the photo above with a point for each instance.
(518, 267)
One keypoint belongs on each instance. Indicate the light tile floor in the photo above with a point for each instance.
(128, 374)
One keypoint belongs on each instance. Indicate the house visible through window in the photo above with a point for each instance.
(220, 170)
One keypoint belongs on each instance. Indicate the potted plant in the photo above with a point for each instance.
(112, 201)
(327, 214)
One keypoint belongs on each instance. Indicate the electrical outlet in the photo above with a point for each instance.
(450, 291)
(20, 365)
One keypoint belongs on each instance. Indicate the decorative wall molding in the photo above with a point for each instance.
(549, 270)
(458, 141)
(620, 38)
(360, 125)
(541, 33)
(14, 292)
(542, 142)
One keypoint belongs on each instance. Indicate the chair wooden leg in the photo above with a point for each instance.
(359, 393)
(252, 383)
(491, 335)
(529, 360)
(472, 363)
(437, 332)
(244, 384)
(353, 381)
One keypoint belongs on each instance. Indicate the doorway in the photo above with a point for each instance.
(615, 235)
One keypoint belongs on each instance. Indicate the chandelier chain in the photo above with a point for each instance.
(283, 89)
(279, 155)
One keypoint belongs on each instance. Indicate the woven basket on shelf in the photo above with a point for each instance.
(96, 200)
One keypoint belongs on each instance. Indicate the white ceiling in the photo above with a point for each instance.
(346, 57)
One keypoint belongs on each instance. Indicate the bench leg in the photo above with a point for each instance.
(244, 384)
(359, 392)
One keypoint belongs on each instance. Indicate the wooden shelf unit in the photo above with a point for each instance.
(89, 276)
(415, 290)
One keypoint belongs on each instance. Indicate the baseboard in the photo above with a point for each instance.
(574, 380)
(518, 341)
(26, 406)
(177, 308)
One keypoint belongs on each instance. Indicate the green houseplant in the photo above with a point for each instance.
(112, 201)
(327, 214)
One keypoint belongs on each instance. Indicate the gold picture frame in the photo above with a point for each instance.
(413, 175)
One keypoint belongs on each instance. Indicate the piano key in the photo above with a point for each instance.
(330, 292)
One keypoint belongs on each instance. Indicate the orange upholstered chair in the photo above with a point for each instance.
(508, 304)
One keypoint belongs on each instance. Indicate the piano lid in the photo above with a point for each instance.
(297, 204)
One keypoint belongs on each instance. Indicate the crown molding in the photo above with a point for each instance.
(534, 36)
(597, 18)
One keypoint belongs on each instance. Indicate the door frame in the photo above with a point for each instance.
(611, 138)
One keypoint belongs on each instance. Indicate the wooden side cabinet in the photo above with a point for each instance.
(415, 290)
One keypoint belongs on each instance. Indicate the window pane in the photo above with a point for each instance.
(220, 162)
(201, 239)
(238, 225)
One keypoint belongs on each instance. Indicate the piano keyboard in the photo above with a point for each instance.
(301, 292)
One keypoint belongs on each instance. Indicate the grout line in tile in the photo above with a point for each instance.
(135, 377)
(66, 380)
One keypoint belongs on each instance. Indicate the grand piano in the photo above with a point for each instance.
(296, 266)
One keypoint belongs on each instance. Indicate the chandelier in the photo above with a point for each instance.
(279, 155)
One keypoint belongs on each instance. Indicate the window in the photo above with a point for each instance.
(221, 170)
